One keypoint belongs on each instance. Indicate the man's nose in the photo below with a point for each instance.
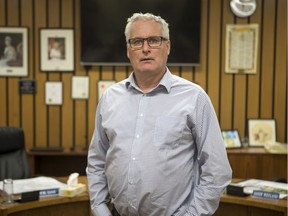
(146, 46)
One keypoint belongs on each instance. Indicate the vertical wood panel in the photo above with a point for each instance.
(13, 94)
(53, 11)
(67, 120)
(3, 80)
(93, 100)
(226, 79)
(81, 138)
(27, 108)
(240, 97)
(267, 59)
(200, 74)
(280, 84)
(253, 95)
(41, 109)
(214, 53)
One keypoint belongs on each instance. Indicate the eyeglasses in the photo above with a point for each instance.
(153, 42)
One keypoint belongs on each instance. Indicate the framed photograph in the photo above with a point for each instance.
(241, 48)
(103, 85)
(80, 87)
(231, 139)
(56, 50)
(53, 93)
(261, 131)
(14, 51)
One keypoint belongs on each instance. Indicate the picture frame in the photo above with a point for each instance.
(80, 87)
(14, 51)
(261, 131)
(53, 93)
(103, 85)
(231, 139)
(241, 47)
(57, 50)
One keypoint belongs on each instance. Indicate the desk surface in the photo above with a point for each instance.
(276, 205)
(79, 205)
(50, 206)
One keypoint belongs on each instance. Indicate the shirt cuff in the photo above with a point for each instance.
(101, 210)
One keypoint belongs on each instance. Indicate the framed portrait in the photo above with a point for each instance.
(80, 87)
(261, 131)
(103, 85)
(231, 139)
(56, 50)
(53, 93)
(14, 51)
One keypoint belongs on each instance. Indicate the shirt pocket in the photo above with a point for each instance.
(168, 131)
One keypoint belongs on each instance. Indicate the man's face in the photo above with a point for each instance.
(147, 59)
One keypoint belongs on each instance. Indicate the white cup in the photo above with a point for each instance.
(8, 189)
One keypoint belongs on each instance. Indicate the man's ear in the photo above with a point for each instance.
(127, 52)
(168, 47)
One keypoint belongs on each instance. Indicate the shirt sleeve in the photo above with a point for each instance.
(98, 189)
(212, 163)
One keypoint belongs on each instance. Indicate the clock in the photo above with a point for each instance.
(243, 8)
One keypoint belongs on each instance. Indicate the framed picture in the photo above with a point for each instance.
(53, 93)
(231, 139)
(241, 48)
(14, 51)
(103, 85)
(56, 50)
(80, 87)
(261, 131)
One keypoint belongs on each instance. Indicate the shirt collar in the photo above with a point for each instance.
(166, 81)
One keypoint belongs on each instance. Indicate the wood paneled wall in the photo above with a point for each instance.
(236, 98)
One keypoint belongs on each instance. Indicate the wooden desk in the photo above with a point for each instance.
(251, 206)
(80, 206)
(257, 163)
(58, 163)
(51, 206)
(245, 162)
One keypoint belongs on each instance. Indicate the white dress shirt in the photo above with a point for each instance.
(159, 153)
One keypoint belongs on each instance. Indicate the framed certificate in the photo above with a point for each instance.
(53, 93)
(80, 87)
(241, 48)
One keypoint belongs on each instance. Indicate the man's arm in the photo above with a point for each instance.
(98, 189)
(212, 163)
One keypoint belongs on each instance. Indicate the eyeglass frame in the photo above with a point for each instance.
(147, 39)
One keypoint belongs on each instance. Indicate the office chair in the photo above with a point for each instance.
(13, 158)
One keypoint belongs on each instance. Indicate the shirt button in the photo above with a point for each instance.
(130, 182)
(133, 158)
(137, 136)
(141, 114)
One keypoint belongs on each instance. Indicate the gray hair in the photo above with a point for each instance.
(146, 16)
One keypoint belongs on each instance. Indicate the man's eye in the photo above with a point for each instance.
(153, 41)
(137, 42)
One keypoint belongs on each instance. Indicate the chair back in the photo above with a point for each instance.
(13, 157)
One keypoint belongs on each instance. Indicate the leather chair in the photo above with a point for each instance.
(13, 157)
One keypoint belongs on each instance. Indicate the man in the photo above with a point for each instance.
(157, 149)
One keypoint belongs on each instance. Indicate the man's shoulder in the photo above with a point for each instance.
(179, 82)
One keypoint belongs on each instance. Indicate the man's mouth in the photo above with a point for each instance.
(147, 59)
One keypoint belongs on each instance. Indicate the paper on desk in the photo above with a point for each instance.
(256, 184)
(34, 184)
